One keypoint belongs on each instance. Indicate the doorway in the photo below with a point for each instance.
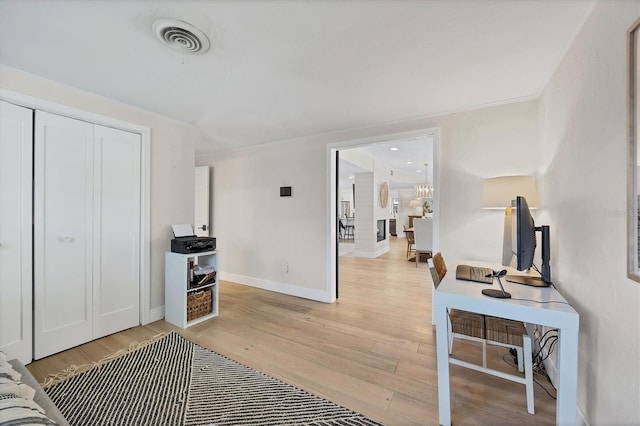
(405, 171)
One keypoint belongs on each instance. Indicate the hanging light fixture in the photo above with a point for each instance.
(424, 190)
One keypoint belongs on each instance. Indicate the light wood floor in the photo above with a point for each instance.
(372, 351)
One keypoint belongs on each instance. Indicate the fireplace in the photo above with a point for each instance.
(382, 229)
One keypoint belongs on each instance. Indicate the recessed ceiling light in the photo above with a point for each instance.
(393, 148)
(409, 162)
(350, 177)
(418, 171)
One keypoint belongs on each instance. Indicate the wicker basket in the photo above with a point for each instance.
(467, 323)
(505, 330)
(198, 304)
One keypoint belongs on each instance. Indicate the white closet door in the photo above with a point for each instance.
(116, 249)
(16, 141)
(63, 231)
(201, 223)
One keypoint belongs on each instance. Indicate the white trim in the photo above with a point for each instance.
(284, 288)
(205, 154)
(156, 314)
(101, 98)
(145, 169)
(331, 191)
(372, 255)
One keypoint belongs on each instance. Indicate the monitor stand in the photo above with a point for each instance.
(527, 280)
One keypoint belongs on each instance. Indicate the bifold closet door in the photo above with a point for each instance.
(63, 232)
(16, 141)
(87, 232)
(116, 234)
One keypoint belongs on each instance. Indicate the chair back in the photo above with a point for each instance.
(410, 237)
(434, 273)
(423, 233)
(349, 221)
(439, 265)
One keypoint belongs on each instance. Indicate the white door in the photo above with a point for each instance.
(116, 241)
(86, 232)
(63, 231)
(16, 141)
(202, 201)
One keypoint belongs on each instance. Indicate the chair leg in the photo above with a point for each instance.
(484, 353)
(528, 373)
(451, 335)
(520, 359)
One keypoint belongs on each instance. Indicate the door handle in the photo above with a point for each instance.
(203, 227)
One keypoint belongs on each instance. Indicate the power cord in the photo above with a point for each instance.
(539, 301)
(538, 358)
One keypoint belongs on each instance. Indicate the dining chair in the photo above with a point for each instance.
(423, 238)
(349, 228)
(491, 330)
(410, 242)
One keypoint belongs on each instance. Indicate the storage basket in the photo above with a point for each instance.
(467, 323)
(505, 330)
(198, 304)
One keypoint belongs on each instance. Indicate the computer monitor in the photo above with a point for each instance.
(524, 246)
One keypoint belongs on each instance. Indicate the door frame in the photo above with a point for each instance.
(27, 101)
(332, 193)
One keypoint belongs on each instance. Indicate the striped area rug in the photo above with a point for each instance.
(172, 381)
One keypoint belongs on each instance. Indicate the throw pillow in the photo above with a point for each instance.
(17, 388)
(15, 410)
(8, 372)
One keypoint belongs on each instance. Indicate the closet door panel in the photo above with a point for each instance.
(63, 222)
(117, 232)
(16, 142)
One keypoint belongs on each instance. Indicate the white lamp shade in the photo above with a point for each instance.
(498, 192)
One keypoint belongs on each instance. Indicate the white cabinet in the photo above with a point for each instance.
(190, 298)
(86, 232)
(15, 231)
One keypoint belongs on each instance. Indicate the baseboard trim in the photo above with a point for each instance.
(156, 314)
(278, 287)
(371, 255)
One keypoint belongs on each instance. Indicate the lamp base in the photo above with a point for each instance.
(498, 294)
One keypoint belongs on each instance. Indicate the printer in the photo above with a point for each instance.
(185, 241)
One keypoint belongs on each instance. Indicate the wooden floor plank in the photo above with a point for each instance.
(372, 351)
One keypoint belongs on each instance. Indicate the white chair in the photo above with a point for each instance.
(488, 330)
(423, 237)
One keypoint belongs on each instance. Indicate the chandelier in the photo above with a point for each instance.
(424, 190)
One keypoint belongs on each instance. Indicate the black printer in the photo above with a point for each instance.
(186, 242)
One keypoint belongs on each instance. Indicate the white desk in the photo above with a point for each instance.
(466, 295)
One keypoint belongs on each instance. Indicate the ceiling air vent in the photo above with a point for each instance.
(181, 36)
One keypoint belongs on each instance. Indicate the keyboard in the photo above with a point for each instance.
(474, 273)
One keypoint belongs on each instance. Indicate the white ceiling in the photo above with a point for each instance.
(407, 161)
(283, 69)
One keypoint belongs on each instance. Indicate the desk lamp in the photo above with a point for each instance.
(498, 193)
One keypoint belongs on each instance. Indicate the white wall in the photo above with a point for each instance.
(258, 232)
(496, 141)
(370, 211)
(583, 127)
(172, 161)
